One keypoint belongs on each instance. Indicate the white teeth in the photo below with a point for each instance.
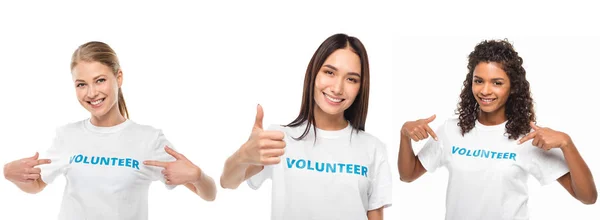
(97, 101)
(487, 100)
(333, 99)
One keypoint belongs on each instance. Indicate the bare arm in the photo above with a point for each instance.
(25, 175)
(183, 172)
(375, 214)
(579, 182)
(262, 148)
(205, 187)
(409, 166)
(235, 172)
(33, 187)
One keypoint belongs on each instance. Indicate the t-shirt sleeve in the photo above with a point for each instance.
(380, 191)
(547, 166)
(258, 179)
(158, 153)
(432, 154)
(59, 159)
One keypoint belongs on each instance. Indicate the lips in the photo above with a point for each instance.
(96, 103)
(333, 99)
(486, 101)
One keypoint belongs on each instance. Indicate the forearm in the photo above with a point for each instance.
(31, 187)
(234, 172)
(205, 187)
(406, 159)
(582, 181)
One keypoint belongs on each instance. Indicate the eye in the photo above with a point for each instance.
(498, 83)
(478, 81)
(353, 80)
(80, 84)
(100, 80)
(328, 72)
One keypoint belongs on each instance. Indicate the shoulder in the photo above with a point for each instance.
(372, 144)
(367, 137)
(449, 126)
(142, 127)
(71, 127)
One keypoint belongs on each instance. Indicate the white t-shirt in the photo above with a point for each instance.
(488, 171)
(340, 176)
(104, 170)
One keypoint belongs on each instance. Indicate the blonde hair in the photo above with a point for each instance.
(95, 51)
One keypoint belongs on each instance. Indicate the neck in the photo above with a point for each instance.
(329, 122)
(492, 118)
(112, 118)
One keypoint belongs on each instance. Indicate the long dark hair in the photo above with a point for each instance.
(357, 112)
(519, 105)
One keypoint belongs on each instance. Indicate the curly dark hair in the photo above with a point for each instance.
(519, 105)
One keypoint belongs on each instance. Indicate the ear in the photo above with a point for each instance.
(120, 77)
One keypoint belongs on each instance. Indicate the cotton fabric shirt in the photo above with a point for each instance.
(341, 175)
(488, 172)
(104, 170)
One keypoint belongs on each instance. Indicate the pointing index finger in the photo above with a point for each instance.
(42, 161)
(155, 163)
(534, 126)
(174, 153)
(528, 137)
(430, 131)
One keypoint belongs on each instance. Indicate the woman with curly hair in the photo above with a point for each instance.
(487, 149)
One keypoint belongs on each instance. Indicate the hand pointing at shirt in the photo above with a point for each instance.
(183, 172)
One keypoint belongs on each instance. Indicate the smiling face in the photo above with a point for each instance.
(337, 83)
(97, 87)
(491, 88)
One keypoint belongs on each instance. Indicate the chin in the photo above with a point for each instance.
(488, 109)
(333, 111)
(98, 114)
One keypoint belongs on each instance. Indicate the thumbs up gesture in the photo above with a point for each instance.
(419, 129)
(263, 147)
(180, 171)
(24, 170)
(546, 138)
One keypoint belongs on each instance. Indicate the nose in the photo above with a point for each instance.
(92, 92)
(486, 90)
(338, 87)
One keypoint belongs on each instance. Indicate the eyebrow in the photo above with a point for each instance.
(95, 78)
(349, 73)
(492, 78)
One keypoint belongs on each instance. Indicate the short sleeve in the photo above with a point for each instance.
(158, 153)
(380, 191)
(258, 179)
(432, 154)
(547, 166)
(59, 159)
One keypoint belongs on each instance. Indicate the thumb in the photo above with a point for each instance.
(430, 119)
(258, 122)
(35, 157)
(535, 127)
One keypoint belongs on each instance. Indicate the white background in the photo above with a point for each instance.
(198, 70)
